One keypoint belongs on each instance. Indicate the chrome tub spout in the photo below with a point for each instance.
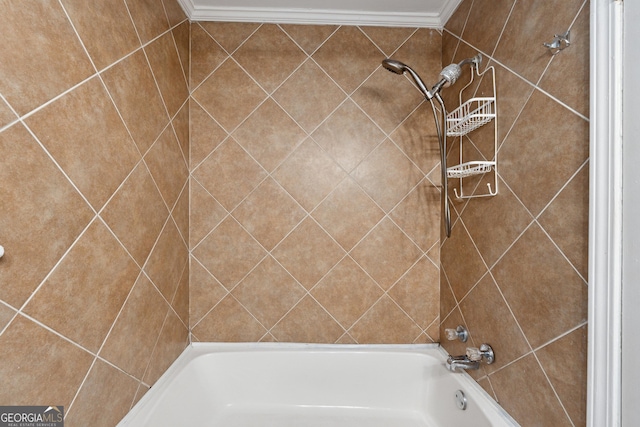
(472, 359)
(460, 363)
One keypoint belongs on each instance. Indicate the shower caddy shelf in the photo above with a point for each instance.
(469, 116)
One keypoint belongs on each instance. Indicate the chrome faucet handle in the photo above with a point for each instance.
(459, 333)
(484, 352)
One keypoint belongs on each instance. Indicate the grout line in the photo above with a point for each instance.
(56, 265)
(504, 27)
(183, 191)
(533, 85)
(16, 116)
(218, 282)
(13, 316)
(55, 162)
(193, 168)
(535, 356)
(75, 31)
(80, 83)
(402, 43)
(466, 20)
(133, 22)
(455, 299)
(513, 315)
(70, 341)
(155, 346)
(155, 80)
(553, 57)
(565, 333)
(77, 393)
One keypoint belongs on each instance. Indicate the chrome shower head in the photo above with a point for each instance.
(401, 68)
(448, 75)
(394, 66)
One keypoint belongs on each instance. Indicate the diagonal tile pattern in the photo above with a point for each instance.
(269, 56)
(309, 95)
(84, 125)
(308, 253)
(94, 142)
(229, 95)
(37, 198)
(310, 205)
(320, 243)
(309, 174)
(268, 292)
(348, 57)
(80, 312)
(269, 135)
(515, 268)
(148, 17)
(229, 253)
(269, 213)
(105, 29)
(348, 214)
(130, 83)
(229, 174)
(348, 292)
(206, 55)
(40, 58)
(166, 66)
(348, 135)
(309, 38)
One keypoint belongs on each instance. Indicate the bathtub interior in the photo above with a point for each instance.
(294, 385)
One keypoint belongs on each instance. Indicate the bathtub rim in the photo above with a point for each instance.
(197, 349)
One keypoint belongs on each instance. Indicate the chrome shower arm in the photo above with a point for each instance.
(476, 60)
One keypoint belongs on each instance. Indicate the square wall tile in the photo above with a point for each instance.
(135, 333)
(269, 56)
(148, 17)
(105, 28)
(167, 69)
(41, 215)
(131, 84)
(84, 294)
(108, 388)
(84, 133)
(546, 294)
(25, 343)
(40, 54)
(136, 213)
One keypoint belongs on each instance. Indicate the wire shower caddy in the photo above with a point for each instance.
(469, 116)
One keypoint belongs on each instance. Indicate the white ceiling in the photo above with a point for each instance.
(392, 13)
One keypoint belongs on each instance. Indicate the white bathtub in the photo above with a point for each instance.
(286, 385)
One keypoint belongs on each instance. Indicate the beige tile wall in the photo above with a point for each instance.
(313, 189)
(94, 212)
(314, 185)
(515, 268)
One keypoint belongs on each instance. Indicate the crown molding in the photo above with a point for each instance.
(448, 10)
(317, 16)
